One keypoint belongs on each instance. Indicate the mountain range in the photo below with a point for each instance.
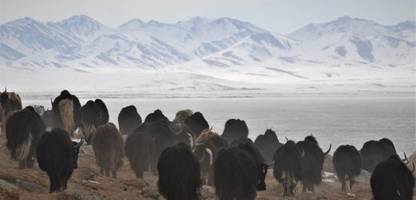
(83, 42)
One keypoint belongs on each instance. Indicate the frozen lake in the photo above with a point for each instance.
(335, 120)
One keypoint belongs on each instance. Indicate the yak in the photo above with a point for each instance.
(128, 120)
(107, 144)
(9, 103)
(287, 166)
(268, 143)
(67, 110)
(312, 162)
(93, 115)
(57, 155)
(373, 152)
(162, 137)
(23, 131)
(391, 179)
(182, 115)
(235, 129)
(179, 173)
(197, 123)
(239, 171)
(138, 149)
(182, 133)
(347, 164)
(155, 116)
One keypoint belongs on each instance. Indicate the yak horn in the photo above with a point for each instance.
(405, 160)
(51, 101)
(286, 139)
(327, 152)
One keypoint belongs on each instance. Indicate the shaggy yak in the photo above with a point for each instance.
(58, 156)
(235, 129)
(23, 131)
(311, 162)
(268, 143)
(9, 103)
(139, 148)
(391, 179)
(347, 164)
(107, 144)
(373, 152)
(179, 173)
(197, 123)
(93, 115)
(66, 111)
(287, 167)
(239, 171)
(128, 120)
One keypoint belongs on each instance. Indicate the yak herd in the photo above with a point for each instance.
(186, 153)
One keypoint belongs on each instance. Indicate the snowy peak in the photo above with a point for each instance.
(133, 24)
(81, 25)
(223, 42)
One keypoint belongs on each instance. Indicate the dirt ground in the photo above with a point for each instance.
(87, 184)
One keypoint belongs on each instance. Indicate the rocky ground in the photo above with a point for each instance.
(87, 184)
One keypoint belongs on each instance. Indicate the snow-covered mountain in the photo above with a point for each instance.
(81, 41)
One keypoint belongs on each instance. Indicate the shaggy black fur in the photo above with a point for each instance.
(235, 129)
(128, 119)
(139, 150)
(107, 144)
(57, 155)
(391, 179)
(197, 123)
(268, 143)
(373, 152)
(312, 162)
(287, 166)
(347, 164)
(179, 173)
(23, 131)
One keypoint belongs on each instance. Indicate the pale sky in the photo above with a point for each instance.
(275, 15)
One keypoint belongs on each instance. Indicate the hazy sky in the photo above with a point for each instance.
(276, 15)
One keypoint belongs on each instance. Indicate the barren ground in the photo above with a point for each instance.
(87, 184)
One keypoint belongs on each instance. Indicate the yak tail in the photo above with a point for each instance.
(22, 150)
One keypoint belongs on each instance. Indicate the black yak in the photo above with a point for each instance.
(235, 129)
(107, 144)
(66, 108)
(391, 179)
(268, 143)
(128, 120)
(179, 173)
(57, 155)
(287, 166)
(373, 152)
(93, 114)
(197, 123)
(155, 116)
(23, 131)
(312, 162)
(239, 171)
(162, 137)
(139, 150)
(347, 164)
